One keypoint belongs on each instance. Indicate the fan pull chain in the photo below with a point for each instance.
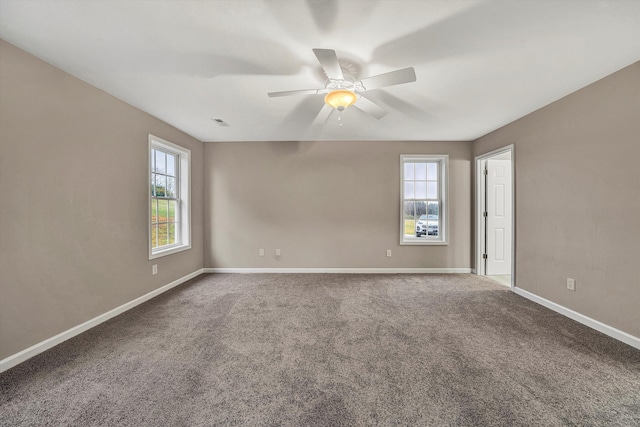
(340, 117)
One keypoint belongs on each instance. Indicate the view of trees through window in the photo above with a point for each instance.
(164, 198)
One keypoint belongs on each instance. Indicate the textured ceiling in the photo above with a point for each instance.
(479, 64)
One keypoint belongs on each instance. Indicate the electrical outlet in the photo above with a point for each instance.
(154, 269)
(571, 284)
(277, 252)
(261, 252)
(388, 252)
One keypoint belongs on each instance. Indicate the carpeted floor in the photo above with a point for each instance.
(330, 350)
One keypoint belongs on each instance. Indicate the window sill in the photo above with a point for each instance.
(168, 251)
(422, 242)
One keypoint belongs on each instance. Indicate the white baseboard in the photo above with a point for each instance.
(36, 349)
(338, 270)
(581, 318)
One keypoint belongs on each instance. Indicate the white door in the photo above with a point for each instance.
(499, 217)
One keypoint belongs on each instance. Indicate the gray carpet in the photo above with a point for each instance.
(330, 350)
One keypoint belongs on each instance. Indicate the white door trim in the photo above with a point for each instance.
(479, 205)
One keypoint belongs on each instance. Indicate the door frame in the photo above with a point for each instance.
(479, 209)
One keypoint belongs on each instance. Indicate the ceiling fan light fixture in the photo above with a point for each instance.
(340, 99)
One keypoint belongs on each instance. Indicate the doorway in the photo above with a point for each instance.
(495, 216)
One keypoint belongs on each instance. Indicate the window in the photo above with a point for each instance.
(423, 206)
(169, 207)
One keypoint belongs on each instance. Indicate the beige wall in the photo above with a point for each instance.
(578, 199)
(73, 211)
(324, 204)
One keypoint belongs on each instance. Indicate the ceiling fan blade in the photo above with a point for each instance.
(323, 115)
(293, 92)
(406, 75)
(370, 107)
(329, 62)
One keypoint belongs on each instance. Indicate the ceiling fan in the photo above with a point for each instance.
(343, 90)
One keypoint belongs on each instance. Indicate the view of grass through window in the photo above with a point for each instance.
(164, 198)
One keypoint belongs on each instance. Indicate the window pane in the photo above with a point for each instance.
(161, 159)
(163, 210)
(432, 171)
(408, 171)
(421, 171)
(152, 184)
(154, 239)
(154, 211)
(433, 216)
(153, 160)
(171, 217)
(171, 165)
(432, 190)
(171, 187)
(162, 234)
(172, 234)
(433, 211)
(421, 189)
(409, 217)
(408, 190)
(161, 185)
(421, 219)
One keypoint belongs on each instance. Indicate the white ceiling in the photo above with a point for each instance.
(479, 64)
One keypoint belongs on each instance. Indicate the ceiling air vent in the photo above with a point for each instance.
(220, 122)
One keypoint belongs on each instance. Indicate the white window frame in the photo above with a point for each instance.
(443, 192)
(183, 211)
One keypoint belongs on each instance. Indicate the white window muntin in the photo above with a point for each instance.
(442, 191)
(182, 197)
